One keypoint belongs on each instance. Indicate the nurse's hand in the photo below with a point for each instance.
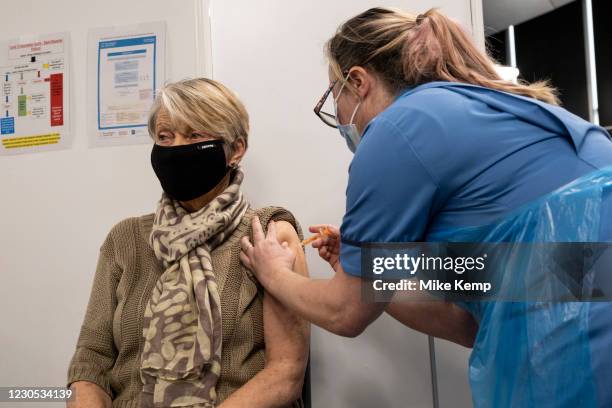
(266, 256)
(328, 246)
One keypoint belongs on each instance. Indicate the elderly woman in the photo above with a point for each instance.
(174, 318)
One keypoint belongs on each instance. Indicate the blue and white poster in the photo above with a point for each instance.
(127, 67)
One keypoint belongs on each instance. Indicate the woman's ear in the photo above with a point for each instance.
(361, 81)
(238, 151)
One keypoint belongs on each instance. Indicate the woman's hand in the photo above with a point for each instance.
(266, 255)
(328, 245)
(88, 395)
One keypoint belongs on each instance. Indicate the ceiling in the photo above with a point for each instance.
(499, 14)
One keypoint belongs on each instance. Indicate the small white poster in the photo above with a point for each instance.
(126, 66)
(35, 94)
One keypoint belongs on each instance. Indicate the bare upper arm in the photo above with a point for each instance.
(287, 233)
(286, 335)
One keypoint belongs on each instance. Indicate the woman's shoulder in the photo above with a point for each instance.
(131, 228)
(272, 213)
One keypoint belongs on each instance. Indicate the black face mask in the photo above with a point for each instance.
(189, 171)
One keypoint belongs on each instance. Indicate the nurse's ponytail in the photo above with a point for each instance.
(408, 50)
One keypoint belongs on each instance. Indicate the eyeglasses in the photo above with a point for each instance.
(328, 118)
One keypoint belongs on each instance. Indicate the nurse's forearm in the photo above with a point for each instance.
(440, 319)
(313, 300)
(333, 304)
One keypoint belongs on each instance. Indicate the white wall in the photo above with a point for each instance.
(56, 208)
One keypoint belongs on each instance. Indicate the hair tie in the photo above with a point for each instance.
(420, 18)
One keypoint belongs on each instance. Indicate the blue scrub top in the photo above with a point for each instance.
(446, 155)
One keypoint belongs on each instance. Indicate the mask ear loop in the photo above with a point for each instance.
(336, 103)
(340, 91)
(344, 82)
(354, 113)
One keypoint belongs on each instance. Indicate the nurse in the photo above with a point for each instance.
(441, 143)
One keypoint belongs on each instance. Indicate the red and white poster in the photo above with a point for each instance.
(34, 90)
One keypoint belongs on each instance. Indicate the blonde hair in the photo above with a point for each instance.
(407, 50)
(202, 105)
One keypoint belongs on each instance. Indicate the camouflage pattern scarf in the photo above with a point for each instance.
(181, 359)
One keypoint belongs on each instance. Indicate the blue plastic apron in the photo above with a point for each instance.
(538, 354)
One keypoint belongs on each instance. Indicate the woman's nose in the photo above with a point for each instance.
(179, 140)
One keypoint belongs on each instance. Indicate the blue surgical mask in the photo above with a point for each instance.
(349, 131)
